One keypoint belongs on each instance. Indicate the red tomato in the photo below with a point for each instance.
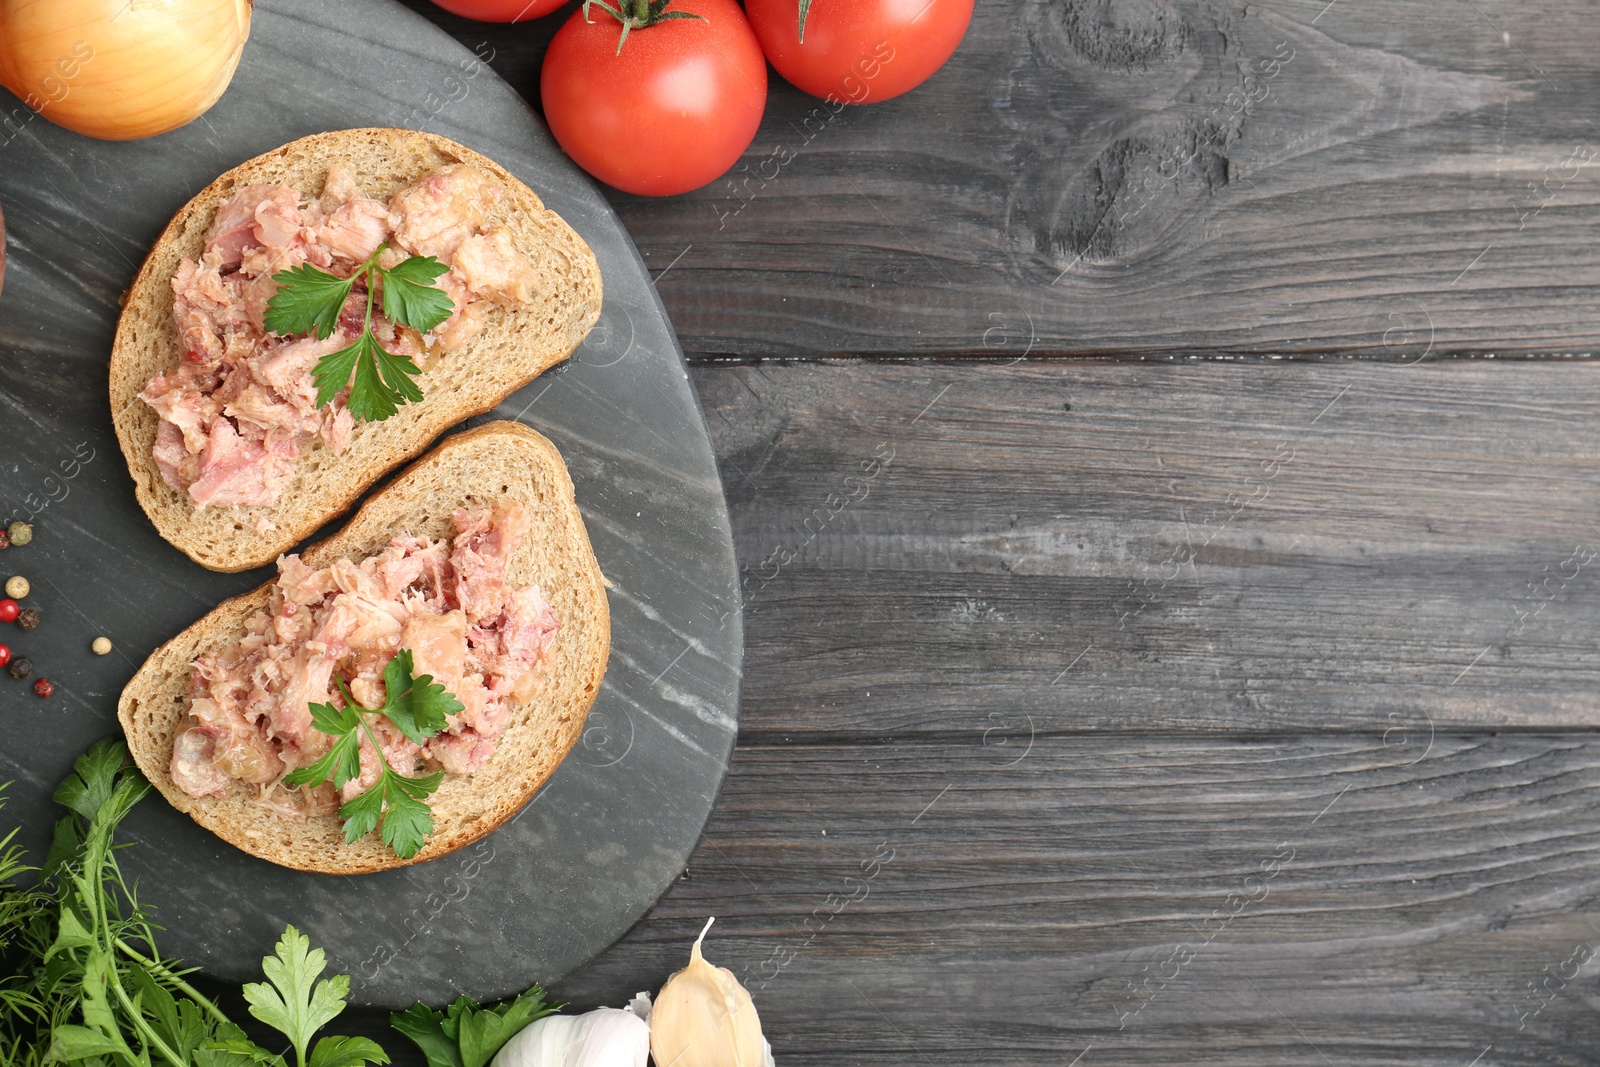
(859, 51)
(672, 111)
(500, 10)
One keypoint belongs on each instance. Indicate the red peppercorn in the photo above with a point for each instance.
(5, 655)
(9, 610)
(5, 539)
(44, 687)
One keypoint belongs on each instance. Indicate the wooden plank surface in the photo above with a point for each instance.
(1126, 177)
(1268, 546)
(1004, 898)
(1007, 899)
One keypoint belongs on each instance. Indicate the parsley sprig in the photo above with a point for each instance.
(419, 708)
(294, 1002)
(465, 1035)
(309, 300)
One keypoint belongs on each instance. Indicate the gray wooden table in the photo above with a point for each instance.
(1162, 459)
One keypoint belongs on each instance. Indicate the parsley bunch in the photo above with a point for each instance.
(419, 709)
(309, 300)
(85, 983)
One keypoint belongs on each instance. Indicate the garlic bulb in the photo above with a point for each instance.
(703, 1017)
(605, 1037)
(120, 69)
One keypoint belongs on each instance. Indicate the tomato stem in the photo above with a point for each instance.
(637, 15)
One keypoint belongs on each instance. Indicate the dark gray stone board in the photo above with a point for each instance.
(611, 831)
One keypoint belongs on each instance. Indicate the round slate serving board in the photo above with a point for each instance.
(613, 828)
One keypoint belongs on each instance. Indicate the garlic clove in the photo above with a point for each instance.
(703, 1017)
(605, 1037)
(616, 1038)
(549, 1042)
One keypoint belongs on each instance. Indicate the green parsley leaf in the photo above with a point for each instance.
(362, 812)
(69, 1043)
(308, 300)
(234, 1051)
(424, 1027)
(71, 934)
(467, 1035)
(407, 819)
(485, 1031)
(398, 805)
(94, 774)
(295, 1003)
(65, 844)
(343, 760)
(95, 1002)
(382, 381)
(347, 1052)
(332, 372)
(397, 373)
(417, 708)
(410, 297)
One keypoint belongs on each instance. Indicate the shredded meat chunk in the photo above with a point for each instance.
(446, 601)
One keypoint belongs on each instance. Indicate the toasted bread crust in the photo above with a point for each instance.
(512, 350)
(469, 469)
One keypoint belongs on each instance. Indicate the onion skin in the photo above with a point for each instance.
(119, 69)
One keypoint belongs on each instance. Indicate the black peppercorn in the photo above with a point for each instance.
(21, 667)
(27, 619)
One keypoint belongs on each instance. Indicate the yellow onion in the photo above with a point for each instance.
(119, 69)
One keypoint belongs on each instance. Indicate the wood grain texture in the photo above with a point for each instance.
(1014, 900)
(1134, 176)
(1273, 546)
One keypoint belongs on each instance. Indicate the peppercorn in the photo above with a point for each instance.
(9, 610)
(27, 619)
(20, 532)
(5, 655)
(99, 646)
(17, 586)
(44, 687)
(5, 539)
(21, 667)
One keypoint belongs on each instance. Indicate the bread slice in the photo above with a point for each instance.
(474, 469)
(515, 347)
